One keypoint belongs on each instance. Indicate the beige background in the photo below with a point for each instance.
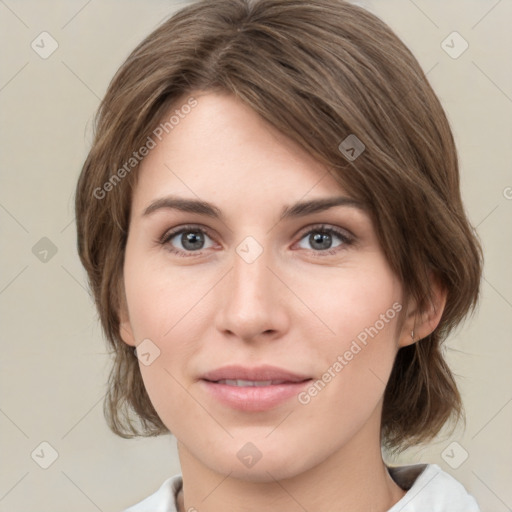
(53, 358)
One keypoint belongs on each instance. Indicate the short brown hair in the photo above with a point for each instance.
(318, 71)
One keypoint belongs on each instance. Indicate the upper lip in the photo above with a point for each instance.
(257, 373)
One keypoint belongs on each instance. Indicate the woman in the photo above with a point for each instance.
(271, 222)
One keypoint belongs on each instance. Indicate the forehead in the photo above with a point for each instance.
(223, 148)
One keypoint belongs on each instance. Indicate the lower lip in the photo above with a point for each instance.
(254, 398)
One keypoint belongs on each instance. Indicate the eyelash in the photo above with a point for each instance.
(321, 228)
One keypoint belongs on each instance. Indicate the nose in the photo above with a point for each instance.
(253, 304)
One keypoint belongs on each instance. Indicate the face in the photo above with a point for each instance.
(253, 281)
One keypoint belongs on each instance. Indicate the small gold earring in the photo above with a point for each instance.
(412, 335)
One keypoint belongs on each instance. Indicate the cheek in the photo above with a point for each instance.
(354, 378)
(350, 302)
(159, 299)
(165, 308)
(362, 308)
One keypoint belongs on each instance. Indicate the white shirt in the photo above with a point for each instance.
(429, 489)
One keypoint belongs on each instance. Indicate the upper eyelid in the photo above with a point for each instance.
(324, 226)
(172, 232)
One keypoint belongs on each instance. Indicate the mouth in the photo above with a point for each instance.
(264, 375)
(253, 383)
(253, 395)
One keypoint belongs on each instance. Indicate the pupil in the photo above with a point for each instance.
(323, 238)
(191, 240)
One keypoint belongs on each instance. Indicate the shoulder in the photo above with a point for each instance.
(430, 488)
(162, 500)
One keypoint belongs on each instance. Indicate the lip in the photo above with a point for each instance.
(253, 398)
(264, 372)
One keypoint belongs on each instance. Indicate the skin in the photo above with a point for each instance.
(295, 307)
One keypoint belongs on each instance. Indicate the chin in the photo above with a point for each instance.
(260, 473)
(266, 466)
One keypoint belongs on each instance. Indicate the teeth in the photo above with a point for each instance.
(249, 382)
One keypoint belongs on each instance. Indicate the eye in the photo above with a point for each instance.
(321, 239)
(185, 240)
(189, 241)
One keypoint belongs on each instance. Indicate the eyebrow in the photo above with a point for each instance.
(298, 209)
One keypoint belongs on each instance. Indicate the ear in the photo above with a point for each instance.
(423, 323)
(125, 328)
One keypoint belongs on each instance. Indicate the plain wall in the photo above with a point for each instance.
(54, 361)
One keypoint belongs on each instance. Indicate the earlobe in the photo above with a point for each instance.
(419, 324)
(126, 333)
(125, 328)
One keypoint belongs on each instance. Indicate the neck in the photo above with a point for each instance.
(353, 479)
